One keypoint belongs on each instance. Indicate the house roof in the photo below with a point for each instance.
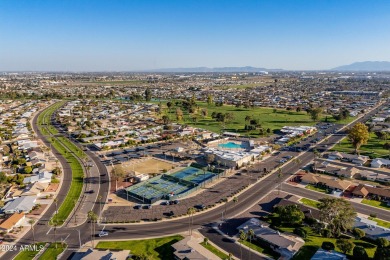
(262, 230)
(21, 203)
(331, 182)
(11, 221)
(374, 190)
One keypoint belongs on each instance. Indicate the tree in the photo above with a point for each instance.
(251, 234)
(210, 99)
(382, 253)
(359, 253)
(315, 113)
(345, 245)
(165, 119)
(179, 114)
(300, 232)
(326, 245)
(92, 219)
(205, 241)
(358, 233)
(169, 105)
(117, 172)
(27, 170)
(210, 158)
(290, 214)
(243, 237)
(191, 211)
(31, 222)
(148, 94)
(358, 135)
(338, 213)
(382, 242)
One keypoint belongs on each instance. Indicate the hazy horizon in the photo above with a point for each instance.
(133, 36)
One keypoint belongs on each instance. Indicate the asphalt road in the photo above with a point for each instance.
(145, 230)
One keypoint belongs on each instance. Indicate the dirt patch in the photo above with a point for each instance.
(148, 165)
(53, 187)
(38, 211)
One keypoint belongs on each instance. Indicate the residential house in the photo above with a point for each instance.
(93, 254)
(285, 244)
(352, 158)
(380, 162)
(371, 228)
(20, 204)
(327, 181)
(363, 191)
(35, 189)
(341, 171)
(187, 249)
(374, 176)
(14, 220)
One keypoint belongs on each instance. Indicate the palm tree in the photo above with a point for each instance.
(243, 237)
(56, 202)
(230, 256)
(55, 233)
(190, 213)
(100, 203)
(92, 218)
(251, 234)
(31, 222)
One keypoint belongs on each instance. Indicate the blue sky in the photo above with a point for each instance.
(119, 35)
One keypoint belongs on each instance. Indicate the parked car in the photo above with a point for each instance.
(137, 206)
(199, 206)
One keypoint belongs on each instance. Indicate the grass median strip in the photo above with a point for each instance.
(68, 150)
(52, 252)
(29, 252)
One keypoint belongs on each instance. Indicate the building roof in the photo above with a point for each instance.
(184, 251)
(11, 221)
(373, 190)
(281, 240)
(331, 182)
(93, 254)
(20, 204)
(371, 228)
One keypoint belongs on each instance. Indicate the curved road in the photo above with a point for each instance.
(245, 200)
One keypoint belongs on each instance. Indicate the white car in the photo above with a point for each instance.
(103, 233)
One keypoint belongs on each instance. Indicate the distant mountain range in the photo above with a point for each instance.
(365, 66)
(215, 70)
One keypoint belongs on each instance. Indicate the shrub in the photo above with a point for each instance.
(310, 221)
(300, 232)
(360, 253)
(326, 233)
(327, 245)
(382, 242)
(358, 233)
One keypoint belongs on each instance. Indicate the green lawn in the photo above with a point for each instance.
(375, 203)
(314, 241)
(315, 188)
(52, 252)
(373, 148)
(266, 117)
(28, 254)
(214, 250)
(309, 202)
(381, 222)
(62, 145)
(158, 248)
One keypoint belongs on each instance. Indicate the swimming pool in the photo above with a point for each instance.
(230, 145)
